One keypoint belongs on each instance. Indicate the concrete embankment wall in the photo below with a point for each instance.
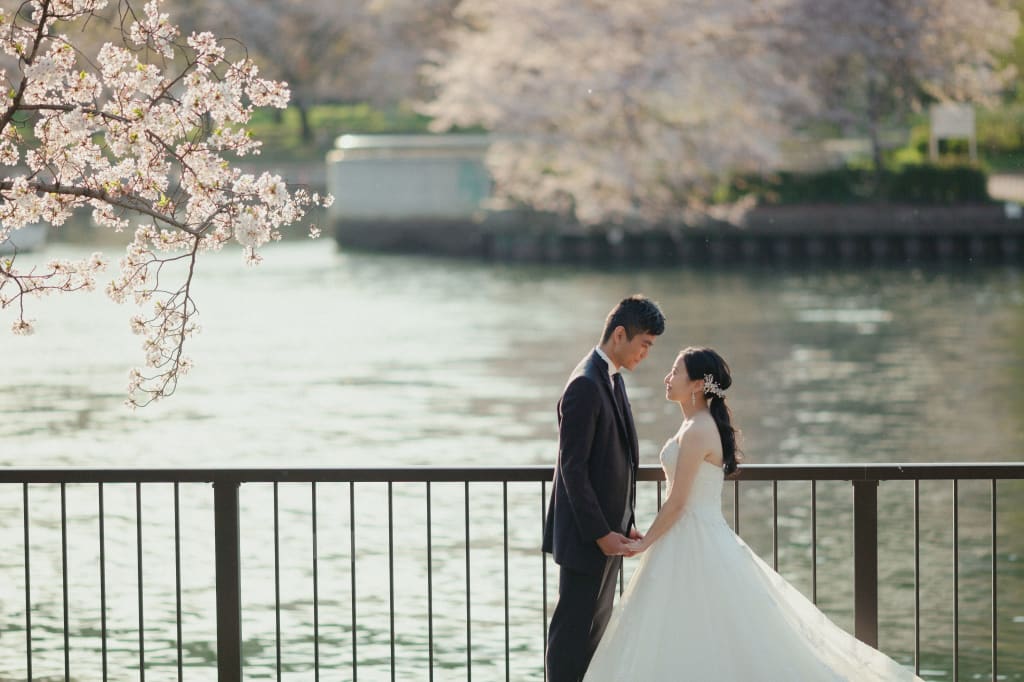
(815, 233)
(424, 194)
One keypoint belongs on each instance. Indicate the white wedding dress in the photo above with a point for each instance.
(703, 607)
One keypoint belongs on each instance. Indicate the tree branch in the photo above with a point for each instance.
(131, 203)
(71, 107)
(16, 100)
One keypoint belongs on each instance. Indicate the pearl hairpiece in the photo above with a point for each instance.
(712, 387)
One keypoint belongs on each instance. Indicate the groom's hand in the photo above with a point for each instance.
(636, 544)
(613, 544)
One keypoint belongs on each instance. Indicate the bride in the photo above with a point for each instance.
(701, 605)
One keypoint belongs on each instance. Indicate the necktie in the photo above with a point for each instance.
(620, 393)
(619, 389)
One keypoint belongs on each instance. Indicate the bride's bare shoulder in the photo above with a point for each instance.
(698, 432)
(698, 426)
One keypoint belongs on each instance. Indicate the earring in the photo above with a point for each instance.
(693, 398)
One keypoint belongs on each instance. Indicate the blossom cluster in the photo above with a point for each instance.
(138, 143)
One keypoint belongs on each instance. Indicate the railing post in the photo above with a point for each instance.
(229, 583)
(865, 561)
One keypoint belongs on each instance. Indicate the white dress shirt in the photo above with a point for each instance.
(612, 369)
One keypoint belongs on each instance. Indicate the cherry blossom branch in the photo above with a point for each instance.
(8, 114)
(165, 335)
(127, 202)
(71, 107)
(62, 276)
(130, 138)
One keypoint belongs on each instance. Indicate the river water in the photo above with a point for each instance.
(321, 358)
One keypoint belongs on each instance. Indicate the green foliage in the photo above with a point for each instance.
(281, 131)
(920, 183)
(1001, 137)
(1000, 134)
(1015, 58)
(1001, 130)
(932, 184)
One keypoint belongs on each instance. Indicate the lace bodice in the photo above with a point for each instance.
(706, 494)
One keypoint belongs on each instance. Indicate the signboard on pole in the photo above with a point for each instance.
(951, 120)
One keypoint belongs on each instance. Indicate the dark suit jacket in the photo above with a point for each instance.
(595, 477)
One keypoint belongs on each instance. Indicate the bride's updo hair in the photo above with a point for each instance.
(703, 362)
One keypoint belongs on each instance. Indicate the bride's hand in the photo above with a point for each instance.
(636, 546)
(636, 543)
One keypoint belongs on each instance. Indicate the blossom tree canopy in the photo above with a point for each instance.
(317, 46)
(872, 62)
(332, 50)
(140, 131)
(618, 111)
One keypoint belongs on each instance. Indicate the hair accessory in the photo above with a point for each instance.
(712, 387)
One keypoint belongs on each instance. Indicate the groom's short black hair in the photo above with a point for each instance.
(638, 315)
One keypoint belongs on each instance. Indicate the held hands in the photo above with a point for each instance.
(636, 543)
(617, 544)
(614, 544)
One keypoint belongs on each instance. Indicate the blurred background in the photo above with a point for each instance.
(616, 118)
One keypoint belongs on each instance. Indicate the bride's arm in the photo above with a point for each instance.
(694, 445)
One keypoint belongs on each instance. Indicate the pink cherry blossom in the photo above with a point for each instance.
(634, 112)
(143, 145)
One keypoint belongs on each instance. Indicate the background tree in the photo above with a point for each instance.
(335, 50)
(407, 33)
(872, 62)
(143, 129)
(319, 47)
(1014, 91)
(616, 112)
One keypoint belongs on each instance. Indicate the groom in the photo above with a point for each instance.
(590, 517)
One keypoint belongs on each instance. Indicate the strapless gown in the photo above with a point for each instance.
(703, 607)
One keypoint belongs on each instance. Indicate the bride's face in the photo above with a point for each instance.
(678, 384)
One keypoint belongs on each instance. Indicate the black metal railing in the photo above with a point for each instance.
(865, 481)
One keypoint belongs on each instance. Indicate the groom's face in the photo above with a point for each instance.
(631, 352)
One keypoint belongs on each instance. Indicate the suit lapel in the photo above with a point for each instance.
(602, 369)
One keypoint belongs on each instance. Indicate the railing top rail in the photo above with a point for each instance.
(420, 474)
